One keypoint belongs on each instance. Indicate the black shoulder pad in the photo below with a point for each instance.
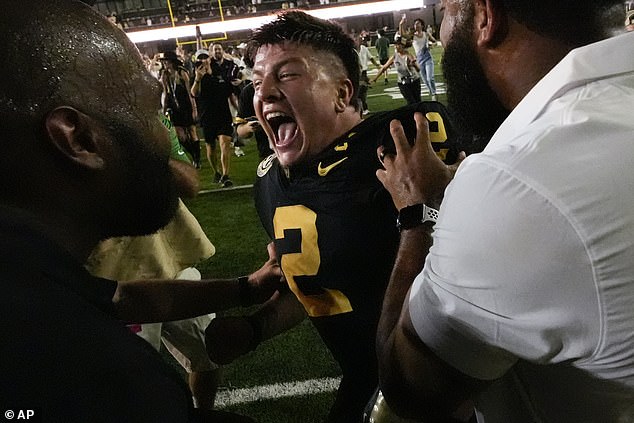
(444, 137)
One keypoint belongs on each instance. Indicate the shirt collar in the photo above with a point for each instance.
(603, 59)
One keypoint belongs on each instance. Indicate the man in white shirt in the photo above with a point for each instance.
(523, 306)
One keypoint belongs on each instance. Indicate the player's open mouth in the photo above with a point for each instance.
(284, 127)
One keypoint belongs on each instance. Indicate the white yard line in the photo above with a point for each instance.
(230, 397)
(233, 188)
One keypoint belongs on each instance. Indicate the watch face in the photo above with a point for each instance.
(412, 216)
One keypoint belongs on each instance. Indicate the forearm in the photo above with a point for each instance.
(415, 382)
(397, 354)
(383, 68)
(233, 99)
(280, 313)
(145, 301)
(195, 90)
(410, 259)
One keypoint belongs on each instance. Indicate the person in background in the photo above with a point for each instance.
(243, 64)
(407, 75)
(523, 305)
(154, 65)
(213, 89)
(178, 103)
(247, 124)
(382, 46)
(186, 57)
(420, 41)
(245, 76)
(364, 57)
(100, 169)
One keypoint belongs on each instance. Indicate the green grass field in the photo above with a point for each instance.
(296, 363)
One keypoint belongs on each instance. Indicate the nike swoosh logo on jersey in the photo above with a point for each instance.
(323, 171)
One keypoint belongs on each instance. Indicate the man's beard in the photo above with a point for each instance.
(476, 108)
(149, 196)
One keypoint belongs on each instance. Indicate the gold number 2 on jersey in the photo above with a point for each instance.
(440, 135)
(305, 261)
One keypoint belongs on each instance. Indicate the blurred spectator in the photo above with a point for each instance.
(364, 57)
(420, 41)
(179, 105)
(213, 87)
(382, 46)
(407, 75)
(247, 124)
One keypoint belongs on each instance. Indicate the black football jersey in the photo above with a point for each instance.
(334, 228)
(332, 221)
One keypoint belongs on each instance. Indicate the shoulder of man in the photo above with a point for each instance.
(444, 137)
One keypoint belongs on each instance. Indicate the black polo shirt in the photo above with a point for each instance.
(63, 353)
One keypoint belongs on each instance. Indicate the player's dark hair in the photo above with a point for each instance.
(575, 22)
(301, 28)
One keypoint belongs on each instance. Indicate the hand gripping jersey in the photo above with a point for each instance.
(334, 229)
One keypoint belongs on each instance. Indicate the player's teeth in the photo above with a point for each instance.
(274, 115)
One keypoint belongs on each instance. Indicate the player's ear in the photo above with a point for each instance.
(71, 133)
(491, 22)
(344, 94)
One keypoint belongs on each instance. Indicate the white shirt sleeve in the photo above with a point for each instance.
(497, 285)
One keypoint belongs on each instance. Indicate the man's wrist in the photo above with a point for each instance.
(418, 214)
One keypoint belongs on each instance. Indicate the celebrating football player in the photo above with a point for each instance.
(319, 199)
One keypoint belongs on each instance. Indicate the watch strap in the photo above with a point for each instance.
(412, 216)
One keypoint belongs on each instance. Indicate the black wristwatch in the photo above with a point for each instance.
(412, 216)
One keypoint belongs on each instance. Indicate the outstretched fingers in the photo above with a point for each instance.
(400, 170)
(414, 174)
